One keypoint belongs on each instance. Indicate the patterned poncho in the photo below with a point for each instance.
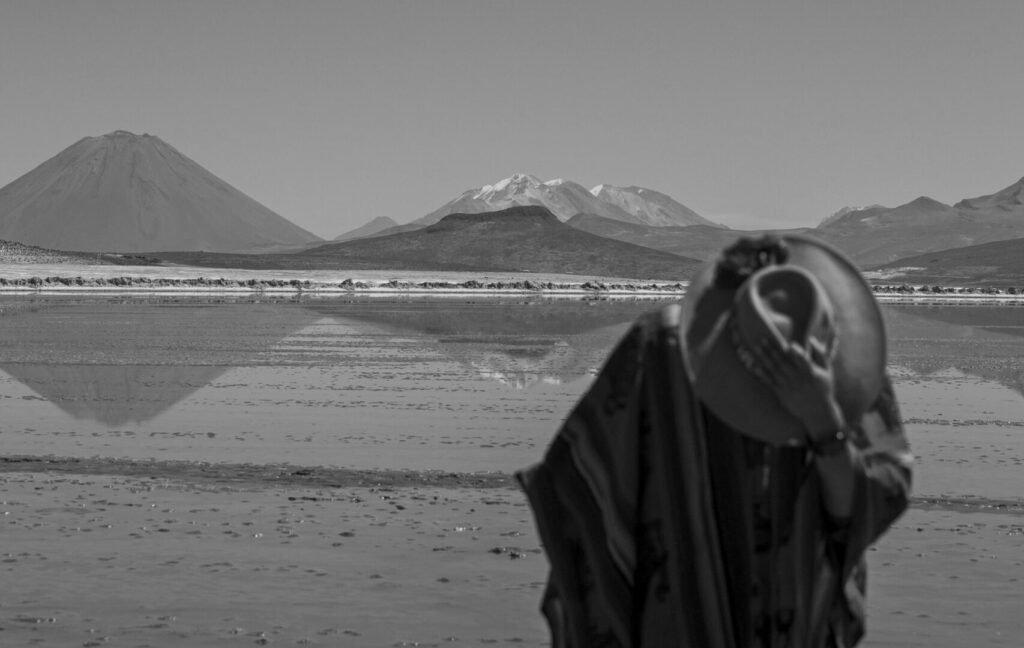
(664, 527)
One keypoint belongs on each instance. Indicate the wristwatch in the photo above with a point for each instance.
(830, 444)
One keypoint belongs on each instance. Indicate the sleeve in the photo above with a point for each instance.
(883, 476)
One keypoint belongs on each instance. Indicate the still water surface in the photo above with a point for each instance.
(428, 383)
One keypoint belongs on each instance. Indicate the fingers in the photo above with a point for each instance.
(778, 367)
(819, 353)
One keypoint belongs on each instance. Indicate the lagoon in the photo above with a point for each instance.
(462, 384)
(420, 383)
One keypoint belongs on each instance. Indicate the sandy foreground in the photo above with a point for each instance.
(117, 553)
(101, 560)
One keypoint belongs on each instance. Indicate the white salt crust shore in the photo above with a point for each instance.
(64, 279)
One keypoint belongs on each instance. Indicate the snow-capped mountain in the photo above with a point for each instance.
(563, 198)
(649, 206)
(566, 199)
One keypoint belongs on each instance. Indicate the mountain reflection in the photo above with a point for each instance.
(122, 360)
(980, 341)
(117, 361)
(517, 342)
(114, 395)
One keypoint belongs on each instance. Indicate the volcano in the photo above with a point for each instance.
(123, 192)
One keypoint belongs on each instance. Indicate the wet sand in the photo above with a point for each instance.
(120, 553)
(102, 559)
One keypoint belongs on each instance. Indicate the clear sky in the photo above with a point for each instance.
(757, 114)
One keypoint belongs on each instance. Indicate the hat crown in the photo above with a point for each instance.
(786, 304)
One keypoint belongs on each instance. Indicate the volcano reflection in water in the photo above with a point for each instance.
(128, 360)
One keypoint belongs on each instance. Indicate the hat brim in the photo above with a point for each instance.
(739, 398)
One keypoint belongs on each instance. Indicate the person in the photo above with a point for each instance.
(722, 477)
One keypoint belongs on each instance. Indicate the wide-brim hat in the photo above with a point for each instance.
(795, 289)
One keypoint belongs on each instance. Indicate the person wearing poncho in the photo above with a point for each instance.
(720, 480)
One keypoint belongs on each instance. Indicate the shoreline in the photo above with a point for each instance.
(75, 279)
(439, 287)
(293, 476)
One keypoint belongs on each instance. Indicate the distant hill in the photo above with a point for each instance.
(520, 239)
(997, 264)
(376, 226)
(13, 252)
(877, 235)
(516, 239)
(123, 192)
(696, 241)
(19, 253)
(844, 211)
(869, 235)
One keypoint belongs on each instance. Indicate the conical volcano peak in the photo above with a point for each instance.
(123, 192)
(124, 133)
(115, 143)
(126, 137)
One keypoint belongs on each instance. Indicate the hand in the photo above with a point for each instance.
(804, 382)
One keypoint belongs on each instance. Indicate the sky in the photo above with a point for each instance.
(763, 113)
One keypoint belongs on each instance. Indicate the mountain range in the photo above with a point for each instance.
(871, 235)
(518, 238)
(132, 193)
(878, 235)
(563, 198)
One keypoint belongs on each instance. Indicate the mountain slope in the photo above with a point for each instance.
(520, 238)
(996, 263)
(1008, 201)
(650, 207)
(376, 226)
(879, 234)
(130, 193)
(695, 241)
(876, 235)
